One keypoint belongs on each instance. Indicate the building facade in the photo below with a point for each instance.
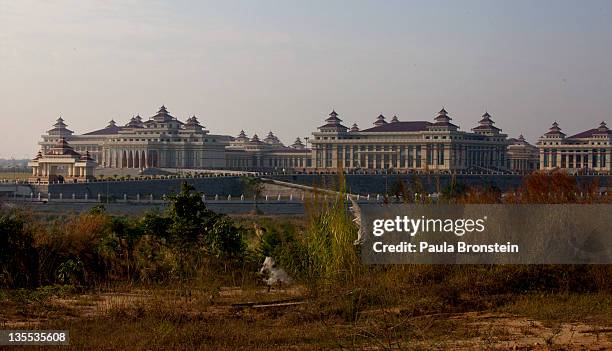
(409, 145)
(162, 141)
(588, 151)
(270, 154)
(60, 163)
(522, 156)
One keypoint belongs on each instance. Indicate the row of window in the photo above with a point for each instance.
(574, 143)
(577, 160)
(164, 139)
(426, 137)
(408, 157)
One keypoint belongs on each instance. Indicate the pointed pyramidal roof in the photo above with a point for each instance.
(86, 157)
(242, 137)
(443, 121)
(297, 144)
(333, 124)
(271, 138)
(162, 115)
(135, 122)
(60, 128)
(354, 127)
(442, 117)
(603, 128)
(380, 120)
(62, 148)
(486, 125)
(555, 130)
(333, 117)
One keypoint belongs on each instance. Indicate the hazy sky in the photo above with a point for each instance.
(283, 65)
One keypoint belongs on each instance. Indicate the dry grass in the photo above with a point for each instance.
(339, 303)
(206, 319)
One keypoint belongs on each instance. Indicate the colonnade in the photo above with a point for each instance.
(268, 161)
(409, 156)
(599, 159)
(130, 158)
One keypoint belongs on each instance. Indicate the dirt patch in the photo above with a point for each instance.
(257, 310)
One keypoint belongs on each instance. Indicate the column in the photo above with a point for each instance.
(542, 159)
(398, 156)
(434, 155)
(447, 156)
(334, 155)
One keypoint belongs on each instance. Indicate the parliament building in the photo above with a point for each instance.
(437, 145)
(588, 151)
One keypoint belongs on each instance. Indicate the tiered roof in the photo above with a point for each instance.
(555, 131)
(443, 120)
(333, 122)
(242, 137)
(272, 139)
(194, 124)
(62, 148)
(255, 139)
(60, 128)
(486, 124)
(86, 157)
(297, 144)
(518, 141)
(135, 122)
(162, 115)
(380, 120)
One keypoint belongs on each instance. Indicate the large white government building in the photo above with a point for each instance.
(438, 145)
(162, 141)
(588, 151)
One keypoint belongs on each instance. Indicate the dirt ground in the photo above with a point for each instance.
(373, 329)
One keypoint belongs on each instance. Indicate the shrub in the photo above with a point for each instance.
(18, 255)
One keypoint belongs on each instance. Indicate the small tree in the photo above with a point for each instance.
(253, 187)
(194, 229)
(18, 256)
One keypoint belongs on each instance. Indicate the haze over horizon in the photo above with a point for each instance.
(283, 65)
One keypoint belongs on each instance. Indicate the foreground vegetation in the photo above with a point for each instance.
(186, 279)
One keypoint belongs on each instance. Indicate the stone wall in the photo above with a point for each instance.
(377, 184)
(158, 187)
(356, 184)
